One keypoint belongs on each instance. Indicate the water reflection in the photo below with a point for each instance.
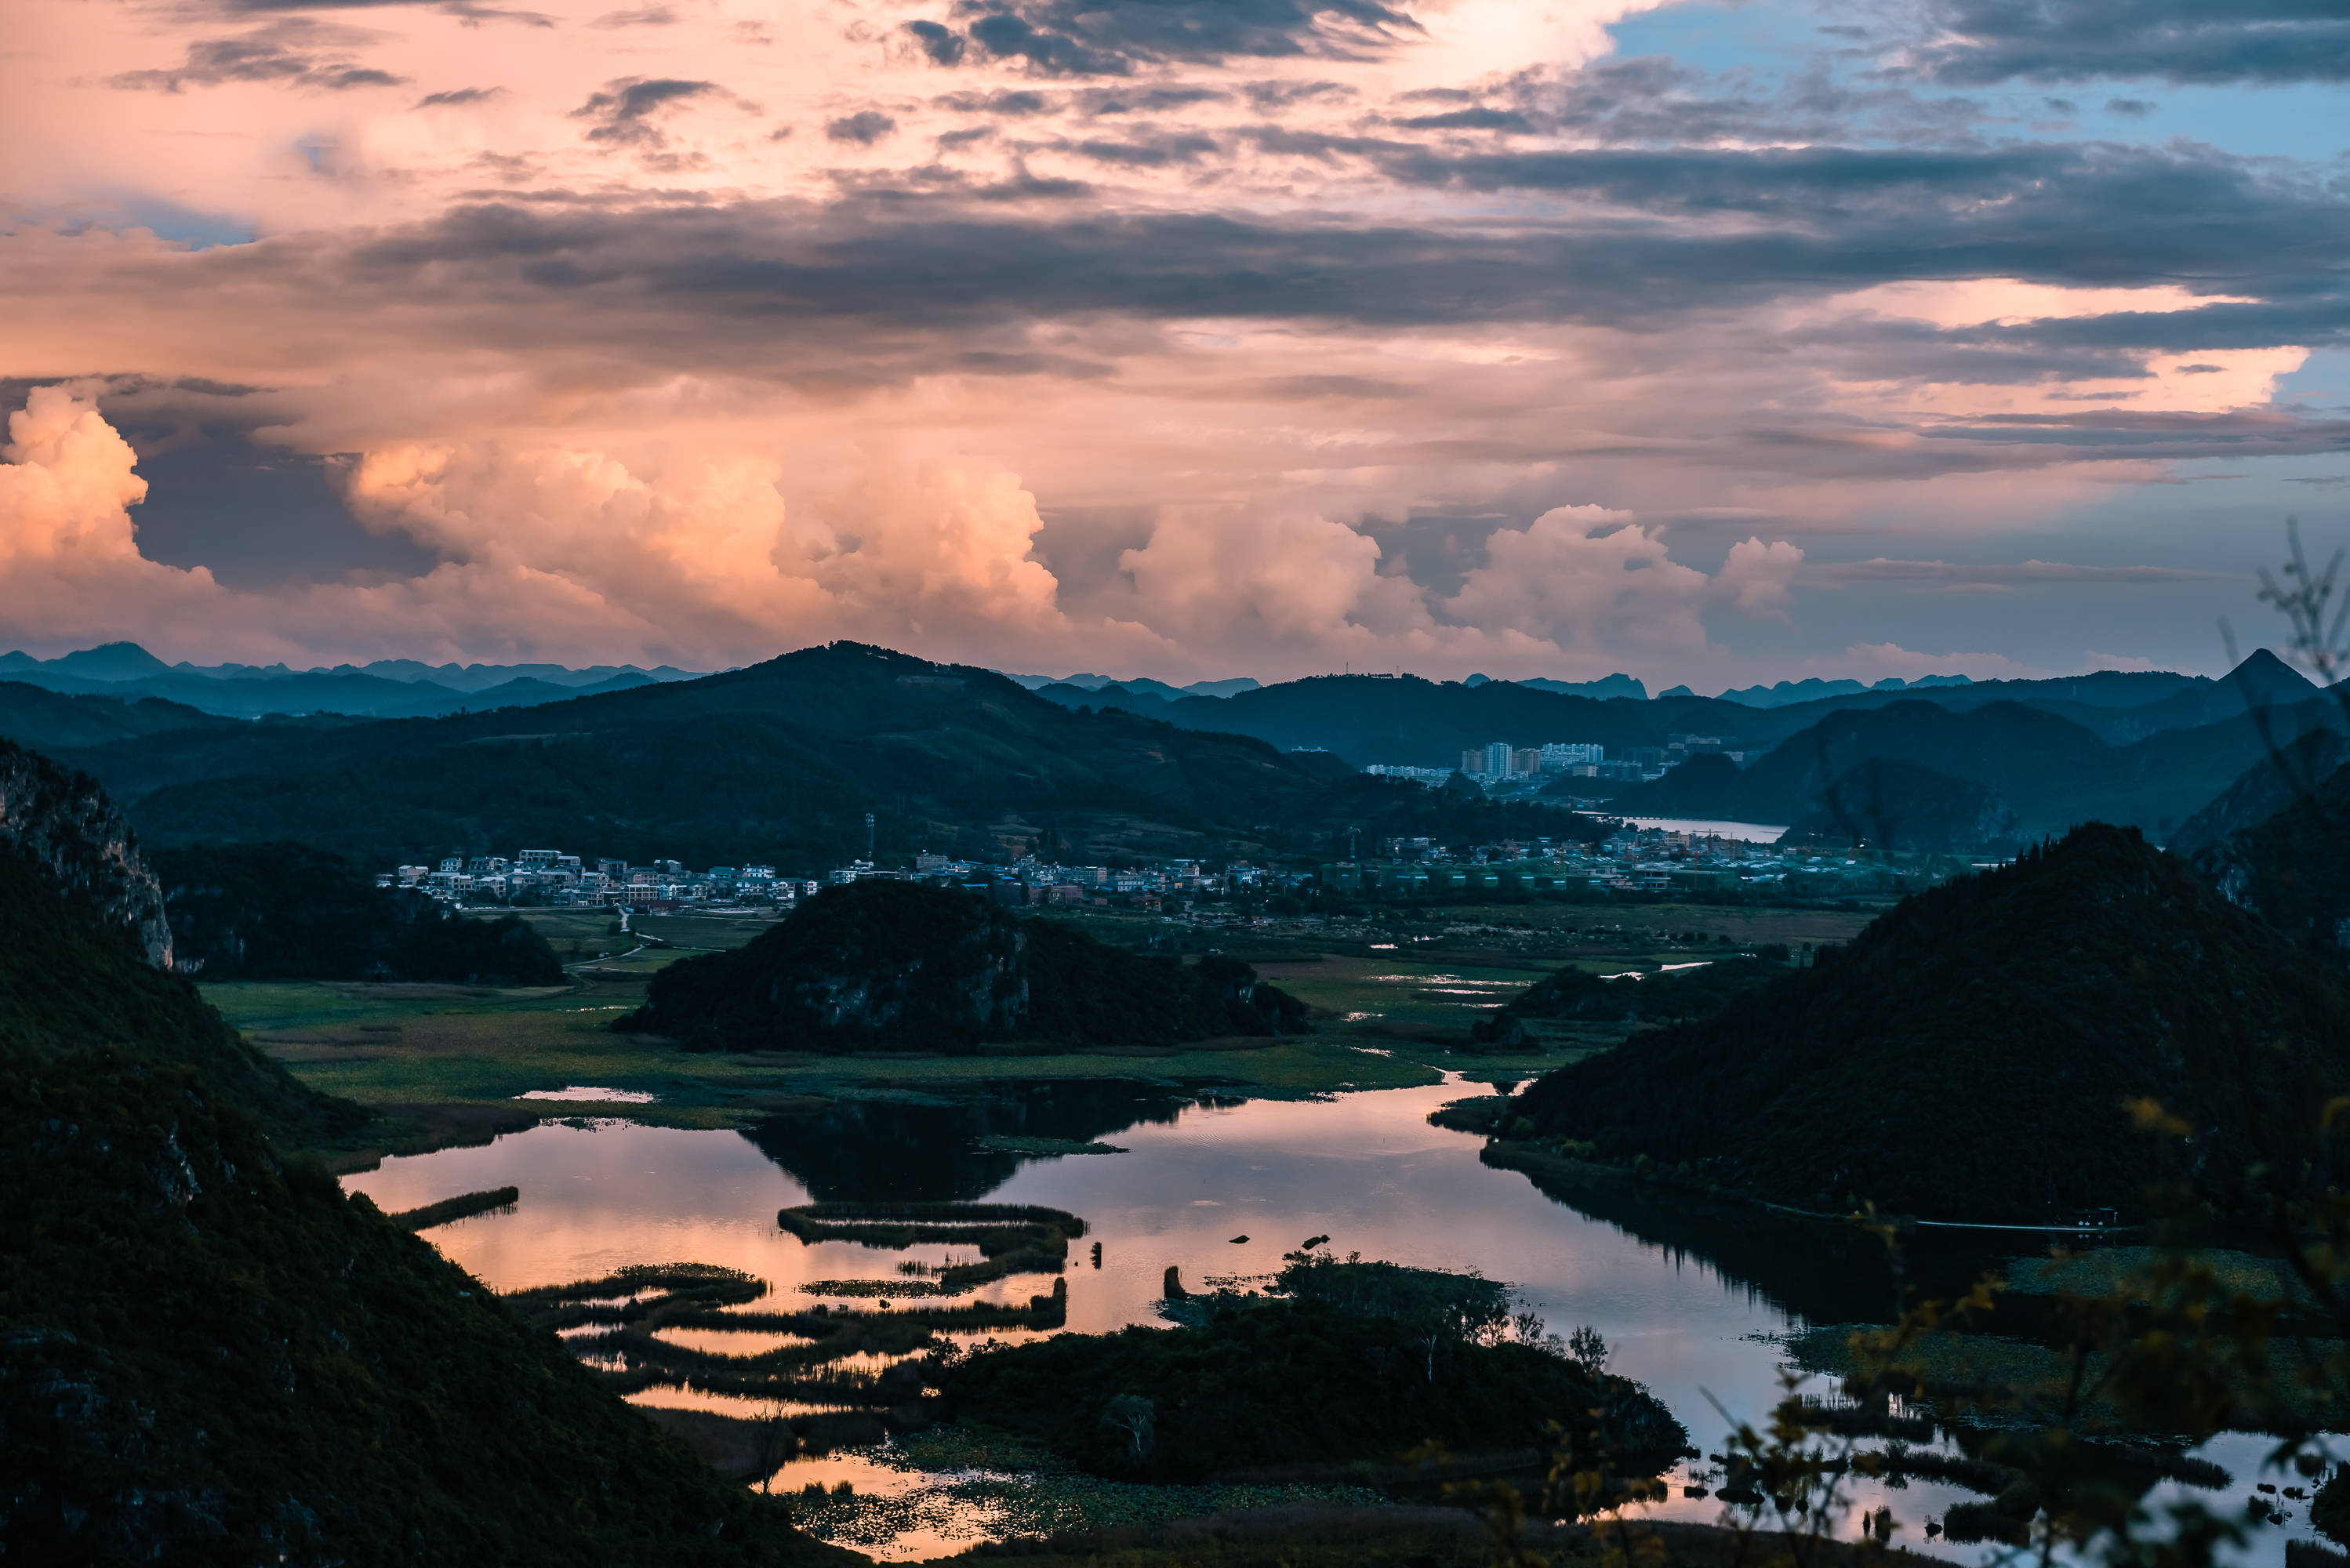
(1820, 1274)
(1689, 1295)
(897, 1150)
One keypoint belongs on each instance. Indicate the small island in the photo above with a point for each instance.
(882, 965)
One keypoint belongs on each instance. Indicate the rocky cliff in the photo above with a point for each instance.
(66, 824)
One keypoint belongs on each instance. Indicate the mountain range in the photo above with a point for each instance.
(387, 688)
(783, 759)
(778, 763)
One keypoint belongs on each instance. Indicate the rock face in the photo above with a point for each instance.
(69, 828)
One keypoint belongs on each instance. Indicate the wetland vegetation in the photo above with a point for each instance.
(1333, 1364)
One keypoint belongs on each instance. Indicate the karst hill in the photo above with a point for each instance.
(901, 966)
(1971, 1054)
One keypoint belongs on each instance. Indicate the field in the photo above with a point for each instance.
(1393, 1007)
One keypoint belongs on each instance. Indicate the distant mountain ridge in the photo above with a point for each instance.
(778, 763)
(1780, 693)
(385, 688)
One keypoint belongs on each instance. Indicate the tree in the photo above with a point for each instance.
(1137, 1418)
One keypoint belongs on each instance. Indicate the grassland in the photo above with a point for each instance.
(1392, 1008)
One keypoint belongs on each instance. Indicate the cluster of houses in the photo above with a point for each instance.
(1503, 764)
(549, 877)
(1632, 860)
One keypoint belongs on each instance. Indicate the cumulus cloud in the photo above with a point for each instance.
(1304, 332)
(1586, 578)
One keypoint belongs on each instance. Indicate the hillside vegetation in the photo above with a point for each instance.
(780, 762)
(2290, 866)
(1887, 805)
(1933, 1064)
(84, 953)
(1700, 990)
(900, 966)
(2052, 770)
(1352, 1361)
(285, 911)
(208, 1354)
(211, 1355)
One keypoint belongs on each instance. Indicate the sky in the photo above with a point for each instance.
(1187, 339)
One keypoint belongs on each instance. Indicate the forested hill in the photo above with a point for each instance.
(208, 1354)
(1933, 1064)
(778, 761)
(1425, 724)
(895, 966)
(82, 963)
(2054, 771)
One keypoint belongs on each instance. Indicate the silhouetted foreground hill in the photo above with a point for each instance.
(285, 911)
(208, 1354)
(1968, 1056)
(1698, 992)
(83, 950)
(886, 965)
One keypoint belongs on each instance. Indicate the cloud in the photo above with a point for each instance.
(1999, 576)
(1303, 311)
(458, 98)
(631, 112)
(1588, 577)
(294, 53)
(864, 127)
(1980, 42)
(1876, 660)
(940, 44)
(1085, 37)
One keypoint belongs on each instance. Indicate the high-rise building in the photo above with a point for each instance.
(1497, 760)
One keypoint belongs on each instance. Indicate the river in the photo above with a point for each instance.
(1687, 1296)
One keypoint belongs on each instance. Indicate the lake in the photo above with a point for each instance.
(1686, 1294)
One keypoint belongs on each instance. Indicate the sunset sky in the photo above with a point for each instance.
(1188, 338)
